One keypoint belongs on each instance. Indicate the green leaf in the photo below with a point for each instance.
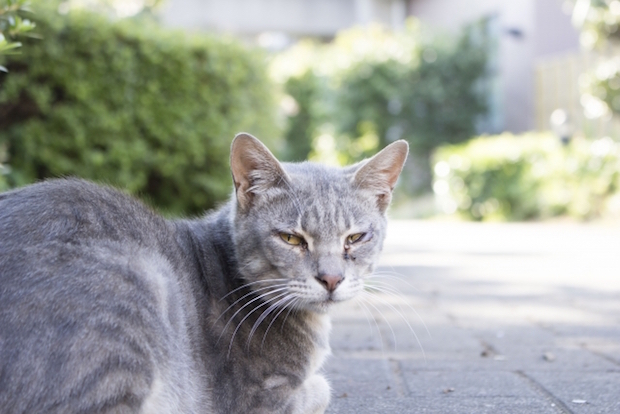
(6, 46)
(134, 105)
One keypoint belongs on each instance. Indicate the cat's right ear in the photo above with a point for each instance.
(254, 169)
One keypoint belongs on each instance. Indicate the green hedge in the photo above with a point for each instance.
(532, 176)
(4, 169)
(428, 100)
(371, 86)
(307, 115)
(131, 104)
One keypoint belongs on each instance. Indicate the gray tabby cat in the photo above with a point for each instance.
(106, 307)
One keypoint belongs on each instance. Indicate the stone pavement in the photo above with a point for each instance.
(520, 318)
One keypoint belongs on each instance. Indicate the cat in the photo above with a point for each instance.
(106, 307)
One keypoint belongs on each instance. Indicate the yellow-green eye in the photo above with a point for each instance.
(291, 239)
(355, 237)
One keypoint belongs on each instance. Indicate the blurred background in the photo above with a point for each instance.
(510, 108)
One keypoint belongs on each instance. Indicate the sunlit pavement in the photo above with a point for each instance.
(520, 318)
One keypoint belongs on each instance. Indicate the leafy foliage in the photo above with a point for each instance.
(528, 177)
(149, 110)
(428, 101)
(305, 116)
(599, 21)
(12, 24)
(4, 169)
(371, 86)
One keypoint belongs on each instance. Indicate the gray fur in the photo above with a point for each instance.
(107, 307)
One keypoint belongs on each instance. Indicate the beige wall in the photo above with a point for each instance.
(546, 30)
(294, 17)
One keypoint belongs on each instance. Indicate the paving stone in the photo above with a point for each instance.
(367, 377)
(457, 384)
(583, 392)
(430, 338)
(609, 351)
(442, 405)
(523, 319)
(579, 333)
(506, 335)
(554, 359)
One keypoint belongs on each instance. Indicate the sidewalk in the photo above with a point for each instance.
(523, 318)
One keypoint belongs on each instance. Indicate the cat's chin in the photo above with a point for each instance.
(319, 307)
(323, 306)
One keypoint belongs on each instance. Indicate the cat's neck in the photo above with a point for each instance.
(209, 245)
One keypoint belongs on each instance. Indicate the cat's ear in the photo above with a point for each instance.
(379, 174)
(254, 169)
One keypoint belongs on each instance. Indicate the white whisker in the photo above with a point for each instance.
(252, 283)
(294, 298)
(394, 276)
(264, 315)
(403, 318)
(278, 286)
(388, 289)
(293, 307)
(367, 312)
(262, 296)
(247, 316)
(384, 318)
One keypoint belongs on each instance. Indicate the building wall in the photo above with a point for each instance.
(528, 30)
(559, 37)
(322, 18)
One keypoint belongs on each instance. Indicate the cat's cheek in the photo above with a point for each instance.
(349, 288)
(361, 263)
(285, 258)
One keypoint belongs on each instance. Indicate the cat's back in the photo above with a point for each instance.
(92, 311)
(74, 211)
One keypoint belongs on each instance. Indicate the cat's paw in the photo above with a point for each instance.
(313, 396)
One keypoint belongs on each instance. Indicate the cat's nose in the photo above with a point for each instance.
(329, 282)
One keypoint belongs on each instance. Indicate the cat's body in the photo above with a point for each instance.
(107, 307)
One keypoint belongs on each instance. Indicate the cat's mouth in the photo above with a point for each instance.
(330, 300)
(322, 307)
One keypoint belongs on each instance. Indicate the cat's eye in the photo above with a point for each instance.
(354, 238)
(292, 239)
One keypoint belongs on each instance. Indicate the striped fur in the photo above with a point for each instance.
(107, 307)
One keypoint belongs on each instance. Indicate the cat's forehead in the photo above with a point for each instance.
(327, 201)
(319, 179)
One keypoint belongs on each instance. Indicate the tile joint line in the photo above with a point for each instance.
(559, 405)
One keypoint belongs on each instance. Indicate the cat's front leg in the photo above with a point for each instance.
(312, 397)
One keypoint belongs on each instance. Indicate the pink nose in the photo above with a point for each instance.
(330, 282)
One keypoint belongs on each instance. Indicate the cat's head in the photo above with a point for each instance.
(306, 235)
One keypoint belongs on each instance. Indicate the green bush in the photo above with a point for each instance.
(305, 117)
(12, 25)
(4, 170)
(532, 176)
(599, 21)
(131, 104)
(429, 100)
(372, 86)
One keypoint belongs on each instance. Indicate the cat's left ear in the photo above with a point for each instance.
(379, 174)
(254, 169)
